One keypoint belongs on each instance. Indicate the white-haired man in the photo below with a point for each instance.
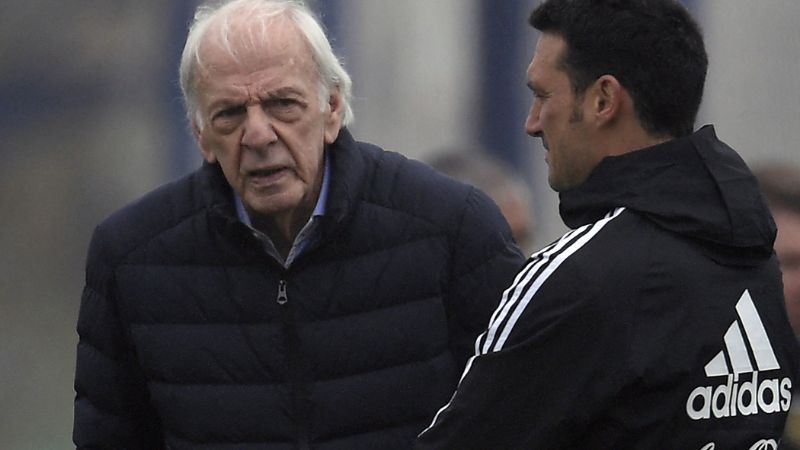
(301, 289)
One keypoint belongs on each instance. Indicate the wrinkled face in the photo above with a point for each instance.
(260, 118)
(556, 117)
(787, 247)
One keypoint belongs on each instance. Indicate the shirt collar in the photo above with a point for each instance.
(322, 201)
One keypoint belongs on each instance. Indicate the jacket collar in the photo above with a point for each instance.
(696, 186)
(348, 176)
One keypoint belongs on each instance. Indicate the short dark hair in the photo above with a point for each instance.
(653, 47)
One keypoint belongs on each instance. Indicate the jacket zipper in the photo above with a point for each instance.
(297, 380)
(282, 297)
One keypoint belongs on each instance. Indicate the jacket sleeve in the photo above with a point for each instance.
(111, 403)
(552, 358)
(486, 259)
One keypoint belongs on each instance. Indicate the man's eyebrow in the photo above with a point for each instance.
(283, 91)
(224, 102)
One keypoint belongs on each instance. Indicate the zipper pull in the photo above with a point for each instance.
(282, 297)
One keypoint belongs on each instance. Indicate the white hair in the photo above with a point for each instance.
(329, 68)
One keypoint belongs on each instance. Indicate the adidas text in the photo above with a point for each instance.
(740, 398)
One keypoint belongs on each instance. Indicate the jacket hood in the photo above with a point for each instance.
(696, 186)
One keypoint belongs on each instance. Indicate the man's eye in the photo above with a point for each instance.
(283, 103)
(230, 112)
(285, 109)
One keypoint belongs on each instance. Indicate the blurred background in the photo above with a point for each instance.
(91, 118)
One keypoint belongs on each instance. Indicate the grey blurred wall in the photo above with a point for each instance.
(412, 95)
(88, 123)
(753, 88)
(81, 133)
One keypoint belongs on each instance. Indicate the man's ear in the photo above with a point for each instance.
(335, 112)
(197, 132)
(607, 99)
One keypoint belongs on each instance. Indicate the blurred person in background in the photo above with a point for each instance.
(301, 289)
(657, 322)
(780, 184)
(506, 188)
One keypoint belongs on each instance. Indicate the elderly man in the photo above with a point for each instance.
(301, 289)
(658, 321)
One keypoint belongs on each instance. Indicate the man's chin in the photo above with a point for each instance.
(267, 204)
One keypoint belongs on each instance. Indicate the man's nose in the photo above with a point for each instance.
(532, 124)
(258, 130)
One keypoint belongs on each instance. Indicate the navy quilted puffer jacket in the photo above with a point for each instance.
(191, 337)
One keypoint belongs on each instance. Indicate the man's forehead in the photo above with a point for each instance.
(254, 63)
(549, 47)
(244, 42)
(547, 56)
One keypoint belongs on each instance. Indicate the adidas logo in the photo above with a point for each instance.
(742, 394)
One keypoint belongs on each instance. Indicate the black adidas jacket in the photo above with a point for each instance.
(656, 323)
(191, 337)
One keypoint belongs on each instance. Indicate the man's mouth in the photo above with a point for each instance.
(268, 176)
(266, 172)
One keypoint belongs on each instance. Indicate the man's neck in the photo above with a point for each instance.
(630, 140)
(282, 229)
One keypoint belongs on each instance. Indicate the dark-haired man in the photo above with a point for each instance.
(658, 321)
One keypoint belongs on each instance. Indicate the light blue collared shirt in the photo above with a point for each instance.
(307, 235)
